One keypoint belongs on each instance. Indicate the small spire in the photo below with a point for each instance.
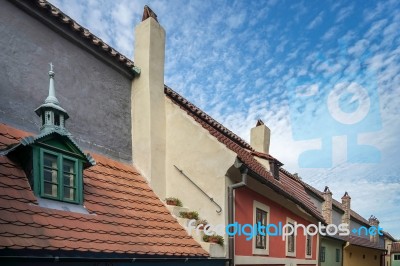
(259, 122)
(52, 91)
(53, 116)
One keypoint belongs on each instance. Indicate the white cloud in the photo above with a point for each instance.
(316, 21)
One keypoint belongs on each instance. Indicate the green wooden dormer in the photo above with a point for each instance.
(55, 162)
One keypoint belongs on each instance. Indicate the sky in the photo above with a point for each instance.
(324, 76)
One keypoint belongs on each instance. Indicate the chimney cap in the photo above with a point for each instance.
(346, 196)
(327, 190)
(147, 13)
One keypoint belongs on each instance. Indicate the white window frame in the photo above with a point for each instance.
(290, 254)
(311, 243)
(263, 207)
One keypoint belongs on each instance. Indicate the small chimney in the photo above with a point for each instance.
(346, 200)
(327, 205)
(373, 221)
(260, 137)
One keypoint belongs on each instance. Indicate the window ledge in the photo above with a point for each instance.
(62, 206)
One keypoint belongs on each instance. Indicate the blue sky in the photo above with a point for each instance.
(323, 75)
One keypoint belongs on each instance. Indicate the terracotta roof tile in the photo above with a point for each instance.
(287, 185)
(395, 247)
(126, 217)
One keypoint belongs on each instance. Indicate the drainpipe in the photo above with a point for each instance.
(238, 164)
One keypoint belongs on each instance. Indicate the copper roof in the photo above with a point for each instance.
(287, 185)
(126, 217)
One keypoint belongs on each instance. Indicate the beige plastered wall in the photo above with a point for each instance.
(202, 158)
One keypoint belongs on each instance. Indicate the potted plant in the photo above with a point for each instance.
(217, 239)
(173, 201)
(190, 215)
(201, 223)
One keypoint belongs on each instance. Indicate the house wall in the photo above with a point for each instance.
(330, 252)
(388, 246)
(203, 158)
(357, 225)
(355, 255)
(96, 96)
(244, 198)
(336, 217)
(394, 262)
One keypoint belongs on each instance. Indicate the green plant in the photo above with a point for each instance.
(190, 215)
(214, 239)
(201, 223)
(174, 201)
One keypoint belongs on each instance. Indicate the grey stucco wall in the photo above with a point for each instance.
(336, 217)
(96, 96)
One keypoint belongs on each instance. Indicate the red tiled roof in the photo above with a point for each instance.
(52, 12)
(286, 186)
(395, 247)
(126, 217)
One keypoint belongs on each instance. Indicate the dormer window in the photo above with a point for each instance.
(60, 176)
(56, 162)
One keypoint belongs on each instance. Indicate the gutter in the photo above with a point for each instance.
(238, 164)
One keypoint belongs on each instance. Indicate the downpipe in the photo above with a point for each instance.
(231, 240)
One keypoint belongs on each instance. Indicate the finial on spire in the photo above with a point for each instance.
(52, 91)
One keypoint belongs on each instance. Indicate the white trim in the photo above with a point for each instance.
(258, 251)
(264, 260)
(290, 254)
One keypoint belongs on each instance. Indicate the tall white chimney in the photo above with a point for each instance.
(148, 102)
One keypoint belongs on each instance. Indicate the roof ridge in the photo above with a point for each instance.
(207, 118)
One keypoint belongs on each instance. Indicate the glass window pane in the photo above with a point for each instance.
(50, 160)
(68, 166)
(69, 180)
(50, 189)
(290, 240)
(261, 239)
(69, 193)
(50, 175)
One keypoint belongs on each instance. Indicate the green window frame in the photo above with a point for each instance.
(60, 177)
(396, 257)
(322, 254)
